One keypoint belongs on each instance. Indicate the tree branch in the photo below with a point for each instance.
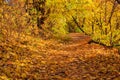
(78, 25)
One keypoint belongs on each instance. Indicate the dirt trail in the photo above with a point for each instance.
(83, 61)
(76, 60)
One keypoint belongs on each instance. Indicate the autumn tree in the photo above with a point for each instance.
(37, 8)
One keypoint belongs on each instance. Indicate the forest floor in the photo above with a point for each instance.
(50, 60)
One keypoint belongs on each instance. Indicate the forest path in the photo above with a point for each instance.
(79, 60)
(50, 60)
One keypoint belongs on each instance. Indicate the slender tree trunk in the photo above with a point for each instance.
(113, 9)
(105, 19)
